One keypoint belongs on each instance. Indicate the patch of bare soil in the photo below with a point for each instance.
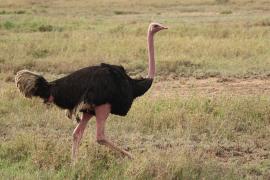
(211, 87)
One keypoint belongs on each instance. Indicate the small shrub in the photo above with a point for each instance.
(45, 28)
(3, 12)
(8, 25)
(20, 12)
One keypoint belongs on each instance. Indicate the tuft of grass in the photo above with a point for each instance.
(45, 28)
(20, 12)
(181, 67)
(118, 12)
(226, 12)
(40, 53)
(3, 12)
(19, 149)
(222, 1)
(8, 25)
(27, 25)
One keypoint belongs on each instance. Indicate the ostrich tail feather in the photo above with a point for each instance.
(26, 82)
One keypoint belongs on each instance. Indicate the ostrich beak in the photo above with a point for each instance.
(164, 27)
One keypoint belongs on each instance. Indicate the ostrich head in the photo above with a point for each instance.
(156, 27)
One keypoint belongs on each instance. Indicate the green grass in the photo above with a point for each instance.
(188, 137)
(224, 137)
(214, 41)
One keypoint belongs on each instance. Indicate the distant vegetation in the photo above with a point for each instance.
(221, 37)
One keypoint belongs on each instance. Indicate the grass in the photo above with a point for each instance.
(207, 34)
(223, 137)
(172, 137)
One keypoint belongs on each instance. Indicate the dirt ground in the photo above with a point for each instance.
(211, 87)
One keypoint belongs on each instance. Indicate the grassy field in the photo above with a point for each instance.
(207, 115)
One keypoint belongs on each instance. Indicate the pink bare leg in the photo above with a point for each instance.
(77, 135)
(102, 113)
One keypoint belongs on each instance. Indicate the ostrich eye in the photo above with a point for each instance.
(155, 26)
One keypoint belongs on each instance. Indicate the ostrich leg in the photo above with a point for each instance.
(77, 135)
(102, 113)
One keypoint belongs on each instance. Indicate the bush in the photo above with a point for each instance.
(45, 28)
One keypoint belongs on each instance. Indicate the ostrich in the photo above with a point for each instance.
(93, 91)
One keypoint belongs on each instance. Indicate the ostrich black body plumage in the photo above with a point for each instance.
(98, 85)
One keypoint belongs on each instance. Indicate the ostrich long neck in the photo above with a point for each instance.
(151, 55)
